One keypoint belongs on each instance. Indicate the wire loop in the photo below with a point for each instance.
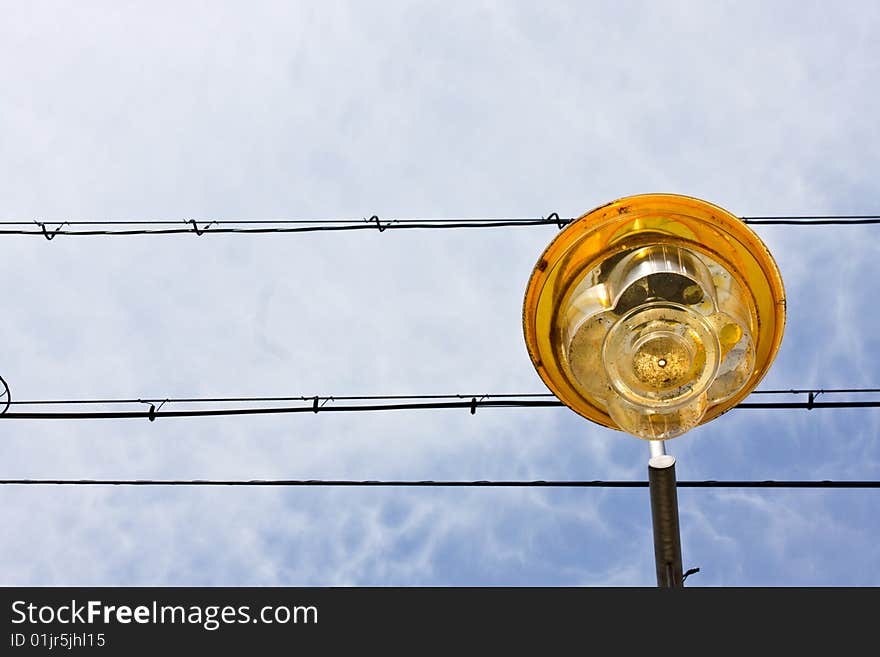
(554, 216)
(49, 236)
(5, 394)
(375, 219)
(151, 414)
(196, 227)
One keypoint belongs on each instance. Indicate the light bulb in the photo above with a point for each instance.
(649, 314)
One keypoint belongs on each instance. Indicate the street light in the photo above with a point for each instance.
(654, 314)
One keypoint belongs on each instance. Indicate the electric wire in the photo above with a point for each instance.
(199, 227)
(319, 404)
(331, 398)
(797, 484)
(501, 401)
(154, 413)
(816, 391)
(304, 398)
(816, 220)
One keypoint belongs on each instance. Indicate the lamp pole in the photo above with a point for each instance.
(664, 514)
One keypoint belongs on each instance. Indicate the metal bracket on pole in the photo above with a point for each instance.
(664, 513)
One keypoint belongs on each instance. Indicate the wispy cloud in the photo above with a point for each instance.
(462, 109)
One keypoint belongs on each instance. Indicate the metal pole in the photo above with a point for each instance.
(664, 513)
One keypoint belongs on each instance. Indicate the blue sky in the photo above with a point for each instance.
(285, 110)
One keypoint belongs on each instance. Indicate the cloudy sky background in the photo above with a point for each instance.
(262, 110)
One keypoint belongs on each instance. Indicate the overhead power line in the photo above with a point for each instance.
(813, 391)
(822, 484)
(816, 220)
(51, 229)
(305, 398)
(324, 399)
(152, 409)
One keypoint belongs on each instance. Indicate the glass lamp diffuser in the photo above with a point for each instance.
(654, 314)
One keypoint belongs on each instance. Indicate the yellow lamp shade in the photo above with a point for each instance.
(654, 314)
